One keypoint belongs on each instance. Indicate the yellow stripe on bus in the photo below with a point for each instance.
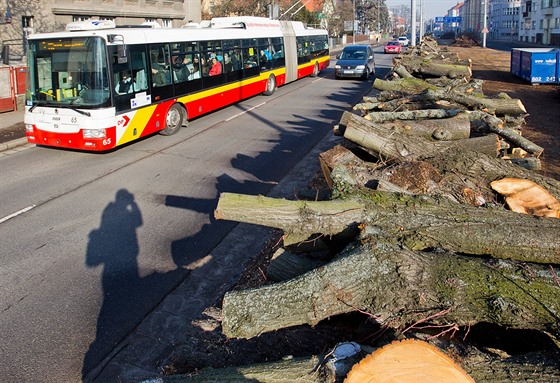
(138, 121)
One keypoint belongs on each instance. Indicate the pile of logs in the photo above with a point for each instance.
(415, 234)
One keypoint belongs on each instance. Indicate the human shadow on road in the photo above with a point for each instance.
(115, 247)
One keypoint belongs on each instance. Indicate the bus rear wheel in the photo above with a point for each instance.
(270, 85)
(173, 120)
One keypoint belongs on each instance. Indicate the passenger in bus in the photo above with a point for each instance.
(125, 85)
(228, 65)
(236, 59)
(196, 68)
(263, 59)
(158, 75)
(180, 70)
(216, 67)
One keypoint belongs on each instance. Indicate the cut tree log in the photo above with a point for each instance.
(415, 222)
(388, 142)
(285, 265)
(409, 85)
(397, 287)
(423, 66)
(411, 115)
(408, 361)
(444, 129)
(496, 125)
(498, 106)
(485, 368)
(483, 169)
(524, 196)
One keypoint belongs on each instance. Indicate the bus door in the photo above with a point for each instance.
(130, 78)
(290, 50)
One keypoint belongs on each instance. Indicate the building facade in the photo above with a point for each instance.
(20, 18)
(504, 19)
(540, 22)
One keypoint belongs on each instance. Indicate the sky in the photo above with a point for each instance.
(432, 8)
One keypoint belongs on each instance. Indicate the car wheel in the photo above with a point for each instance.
(365, 76)
(270, 85)
(173, 120)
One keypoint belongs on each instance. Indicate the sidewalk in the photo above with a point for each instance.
(7, 120)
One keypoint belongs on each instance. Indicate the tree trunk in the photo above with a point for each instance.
(289, 370)
(413, 222)
(323, 369)
(484, 169)
(285, 265)
(398, 286)
(452, 128)
(388, 142)
(408, 85)
(422, 66)
(495, 125)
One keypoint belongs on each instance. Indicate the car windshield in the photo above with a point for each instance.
(394, 43)
(353, 54)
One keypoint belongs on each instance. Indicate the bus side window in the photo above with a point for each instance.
(160, 65)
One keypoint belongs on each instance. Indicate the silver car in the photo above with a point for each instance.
(355, 61)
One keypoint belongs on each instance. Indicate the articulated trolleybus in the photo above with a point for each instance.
(97, 86)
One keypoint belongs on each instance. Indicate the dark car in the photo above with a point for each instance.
(355, 61)
(392, 47)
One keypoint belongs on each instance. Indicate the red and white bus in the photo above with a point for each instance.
(97, 86)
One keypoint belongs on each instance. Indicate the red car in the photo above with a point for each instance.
(392, 47)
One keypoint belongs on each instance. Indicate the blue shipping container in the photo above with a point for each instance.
(536, 65)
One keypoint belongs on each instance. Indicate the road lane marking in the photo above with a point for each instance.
(24, 210)
(245, 111)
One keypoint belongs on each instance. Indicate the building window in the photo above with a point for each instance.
(166, 23)
(80, 18)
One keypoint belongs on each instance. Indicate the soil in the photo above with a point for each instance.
(542, 102)
(12, 132)
(210, 348)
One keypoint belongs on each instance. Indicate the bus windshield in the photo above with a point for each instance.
(68, 72)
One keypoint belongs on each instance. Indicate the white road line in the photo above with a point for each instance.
(24, 210)
(245, 111)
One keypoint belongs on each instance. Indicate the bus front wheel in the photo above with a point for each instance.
(270, 85)
(173, 120)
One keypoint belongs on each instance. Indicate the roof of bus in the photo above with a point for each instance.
(237, 28)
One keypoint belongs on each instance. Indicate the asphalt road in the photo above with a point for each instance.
(91, 243)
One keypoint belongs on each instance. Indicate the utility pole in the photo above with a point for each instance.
(413, 22)
(353, 22)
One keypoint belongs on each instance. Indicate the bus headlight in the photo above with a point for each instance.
(94, 133)
(29, 128)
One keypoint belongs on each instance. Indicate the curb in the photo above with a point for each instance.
(13, 144)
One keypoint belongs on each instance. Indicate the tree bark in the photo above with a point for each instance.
(495, 125)
(410, 85)
(423, 66)
(285, 265)
(388, 142)
(413, 222)
(313, 369)
(398, 286)
(290, 370)
(484, 169)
